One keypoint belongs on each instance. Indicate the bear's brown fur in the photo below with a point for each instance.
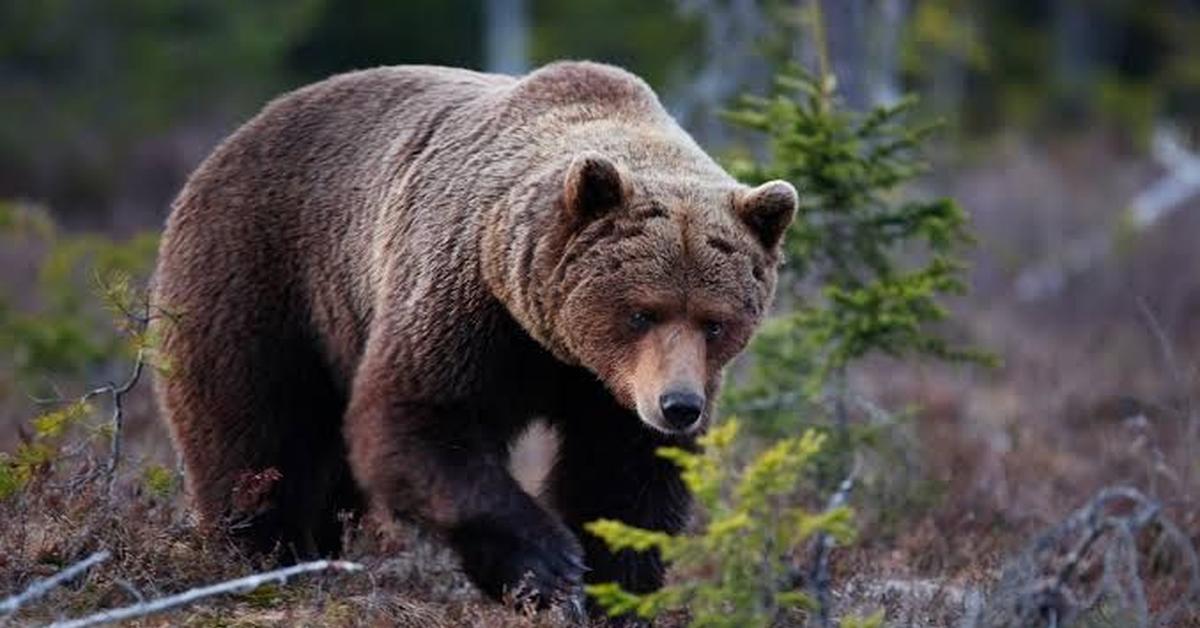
(381, 279)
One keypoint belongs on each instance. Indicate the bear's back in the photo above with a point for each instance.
(310, 148)
(336, 182)
(285, 209)
(323, 158)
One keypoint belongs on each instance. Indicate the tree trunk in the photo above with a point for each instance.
(506, 36)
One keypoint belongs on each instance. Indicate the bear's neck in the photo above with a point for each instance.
(522, 242)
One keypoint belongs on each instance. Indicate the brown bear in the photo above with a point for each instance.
(379, 281)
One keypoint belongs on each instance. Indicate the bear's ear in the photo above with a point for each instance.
(593, 186)
(768, 210)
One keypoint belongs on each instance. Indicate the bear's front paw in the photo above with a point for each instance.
(541, 560)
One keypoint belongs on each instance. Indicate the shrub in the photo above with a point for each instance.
(64, 333)
(739, 566)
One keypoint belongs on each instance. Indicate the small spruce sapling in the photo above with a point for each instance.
(739, 565)
(881, 262)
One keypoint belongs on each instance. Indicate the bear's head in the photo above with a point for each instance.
(660, 281)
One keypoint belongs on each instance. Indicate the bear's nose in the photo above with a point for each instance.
(681, 410)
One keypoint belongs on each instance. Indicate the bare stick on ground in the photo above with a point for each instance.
(41, 587)
(240, 585)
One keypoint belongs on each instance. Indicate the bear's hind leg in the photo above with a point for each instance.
(315, 485)
(341, 509)
(258, 425)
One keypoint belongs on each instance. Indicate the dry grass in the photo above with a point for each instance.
(156, 551)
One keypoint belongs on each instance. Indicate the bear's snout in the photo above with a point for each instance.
(667, 382)
(681, 410)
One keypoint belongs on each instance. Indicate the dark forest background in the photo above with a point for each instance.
(107, 105)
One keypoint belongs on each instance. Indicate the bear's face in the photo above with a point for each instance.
(662, 283)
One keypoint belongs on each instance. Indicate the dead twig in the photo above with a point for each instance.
(41, 587)
(239, 585)
(117, 419)
(116, 393)
(819, 578)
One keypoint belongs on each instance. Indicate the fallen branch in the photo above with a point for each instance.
(44, 586)
(1098, 524)
(240, 585)
(1090, 557)
(1180, 184)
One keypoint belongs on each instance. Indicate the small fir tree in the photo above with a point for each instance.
(753, 527)
(878, 262)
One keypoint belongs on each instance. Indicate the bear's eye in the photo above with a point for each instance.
(641, 320)
(713, 329)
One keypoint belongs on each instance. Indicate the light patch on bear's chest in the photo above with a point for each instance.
(532, 456)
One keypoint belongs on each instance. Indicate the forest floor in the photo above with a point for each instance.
(996, 464)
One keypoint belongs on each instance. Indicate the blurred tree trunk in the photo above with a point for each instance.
(948, 77)
(845, 24)
(863, 37)
(1074, 33)
(733, 63)
(506, 36)
(888, 21)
